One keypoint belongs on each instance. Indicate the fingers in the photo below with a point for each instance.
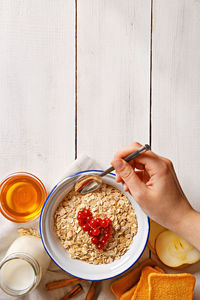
(126, 189)
(118, 178)
(170, 165)
(139, 166)
(142, 174)
(128, 175)
(148, 160)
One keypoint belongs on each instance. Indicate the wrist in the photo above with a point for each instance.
(189, 227)
(185, 222)
(180, 214)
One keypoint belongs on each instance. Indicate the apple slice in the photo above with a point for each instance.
(155, 230)
(174, 251)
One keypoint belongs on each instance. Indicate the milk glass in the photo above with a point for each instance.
(23, 265)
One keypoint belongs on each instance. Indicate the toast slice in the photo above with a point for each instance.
(171, 286)
(123, 284)
(128, 295)
(159, 269)
(142, 290)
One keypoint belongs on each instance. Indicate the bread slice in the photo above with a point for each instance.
(142, 290)
(159, 269)
(123, 284)
(128, 295)
(171, 286)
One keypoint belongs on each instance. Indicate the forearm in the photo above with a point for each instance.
(189, 228)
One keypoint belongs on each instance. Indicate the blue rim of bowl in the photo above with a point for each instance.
(86, 171)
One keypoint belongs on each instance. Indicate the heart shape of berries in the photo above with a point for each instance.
(99, 229)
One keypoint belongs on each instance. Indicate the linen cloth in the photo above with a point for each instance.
(8, 233)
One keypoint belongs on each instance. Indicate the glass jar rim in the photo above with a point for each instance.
(2, 184)
(33, 263)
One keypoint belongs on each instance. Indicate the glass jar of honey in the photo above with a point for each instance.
(22, 196)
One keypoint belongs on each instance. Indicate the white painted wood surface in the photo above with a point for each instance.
(176, 89)
(113, 75)
(37, 86)
(113, 80)
(176, 93)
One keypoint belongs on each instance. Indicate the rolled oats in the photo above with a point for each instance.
(107, 201)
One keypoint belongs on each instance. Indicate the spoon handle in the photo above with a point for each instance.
(131, 156)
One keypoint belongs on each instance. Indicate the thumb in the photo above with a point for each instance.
(127, 173)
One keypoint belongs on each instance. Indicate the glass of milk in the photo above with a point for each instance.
(23, 265)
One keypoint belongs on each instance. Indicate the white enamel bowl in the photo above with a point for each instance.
(79, 268)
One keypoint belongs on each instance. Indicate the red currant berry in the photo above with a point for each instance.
(96, 231)
(89, 218)
(81, 214)
(80, 217)
(98, 221)
(95, 240)
(90, 232)
(107, 236)
(81, 222)
(104, 242)
(86, 227)
(104, 223)
(99, 246)
(87, 212)
(108, 229)
(93, 223)
(108, 220)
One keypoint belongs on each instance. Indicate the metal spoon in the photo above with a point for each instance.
(90, 183)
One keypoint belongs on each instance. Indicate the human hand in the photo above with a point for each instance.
(155, 186)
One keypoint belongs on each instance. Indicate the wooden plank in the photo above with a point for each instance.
(176, 90)
(113, 80)
(113, 75)
(37, 87)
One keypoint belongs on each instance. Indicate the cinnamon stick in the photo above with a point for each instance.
(77, 289)
(92, 290)
(61, 283)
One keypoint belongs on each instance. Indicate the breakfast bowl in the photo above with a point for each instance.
(79, 268)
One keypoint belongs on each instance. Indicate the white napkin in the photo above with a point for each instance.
(8, 234)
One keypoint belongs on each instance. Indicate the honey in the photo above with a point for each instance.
(22, 196)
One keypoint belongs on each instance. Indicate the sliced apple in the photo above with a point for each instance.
(174, 251)
(155, 230)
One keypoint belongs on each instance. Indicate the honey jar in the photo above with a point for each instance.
(22, 196)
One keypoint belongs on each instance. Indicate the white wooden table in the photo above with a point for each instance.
(92, 76)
